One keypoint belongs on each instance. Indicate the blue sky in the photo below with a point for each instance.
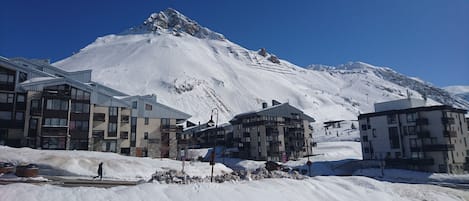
(428, 39)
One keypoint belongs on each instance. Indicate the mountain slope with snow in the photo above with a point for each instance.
(194, 69)
(460, 91)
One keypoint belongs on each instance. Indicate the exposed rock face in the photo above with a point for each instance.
(262, 52)
(175, 22)
(274, 59)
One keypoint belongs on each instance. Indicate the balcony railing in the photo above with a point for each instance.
(423, 134)
(125, 119)
(99, 117)
(438, 147)
(98, 134)
(170, 128)
(447, 120)
(421, 121)
(449, 134)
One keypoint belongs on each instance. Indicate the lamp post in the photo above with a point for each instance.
(212, 155)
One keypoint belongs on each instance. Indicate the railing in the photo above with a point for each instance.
(438, 147)
(449, 134)
(170, 128)
(99, 117)
(423, 134)
(447, 120)
(125, 119)
(98, 134)
(421, 121)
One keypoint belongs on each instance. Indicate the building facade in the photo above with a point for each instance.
(276, 133)
(408, 134)
(44, 107)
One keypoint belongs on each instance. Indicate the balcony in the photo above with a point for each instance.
(449, 134)
(421, 121)
(423, 134)
(438, 147)
(99, 117)
(99, 134)
(125, 119)
(170, 128)
(447, 120)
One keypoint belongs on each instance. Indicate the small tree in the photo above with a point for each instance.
(353, 126)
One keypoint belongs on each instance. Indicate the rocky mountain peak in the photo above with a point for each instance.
(172, 21)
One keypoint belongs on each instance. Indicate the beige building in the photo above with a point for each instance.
(44, 107)
(407, 134)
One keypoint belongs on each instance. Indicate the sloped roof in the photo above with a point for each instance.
(283, 110)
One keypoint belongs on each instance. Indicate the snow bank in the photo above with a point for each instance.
(85, 163)
(319, 188)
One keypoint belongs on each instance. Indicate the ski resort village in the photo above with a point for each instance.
(171, 110)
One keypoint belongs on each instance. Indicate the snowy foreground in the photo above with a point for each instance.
(83, 164)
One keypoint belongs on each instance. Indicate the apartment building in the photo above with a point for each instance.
(274, 133)
(407, 134)
(44, 107)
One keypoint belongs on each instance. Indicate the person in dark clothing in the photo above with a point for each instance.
(100, 171)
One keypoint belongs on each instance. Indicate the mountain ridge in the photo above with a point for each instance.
(196, 73)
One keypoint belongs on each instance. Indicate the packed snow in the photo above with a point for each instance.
(83, 164)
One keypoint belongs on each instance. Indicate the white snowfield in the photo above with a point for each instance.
(318, 188)
(83, 164)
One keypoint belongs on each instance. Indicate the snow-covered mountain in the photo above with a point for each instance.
(460, 91)
(195, 69)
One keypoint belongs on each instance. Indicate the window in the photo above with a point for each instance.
(134, 104)
(19, 116)
(35, 104)
(124, 135)
(80, 108)
(365, 138)
(112, 111)
(147, 121)
(394, 138)
(112, 128)
(6, 98)
(55, 122)
(148, 107)
(20, 98)
(145, 135)
(4, 115)
(57, 104)
(411, 117)
(79, 125)
(6, 77)
(364, 127)
(373, 132)
(22, 77)
(165, 121)
(392, 119)
(366, 150)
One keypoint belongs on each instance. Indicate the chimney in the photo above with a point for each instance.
(274, 103)
(264, 105)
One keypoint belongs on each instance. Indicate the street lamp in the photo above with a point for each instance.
(210, 123)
